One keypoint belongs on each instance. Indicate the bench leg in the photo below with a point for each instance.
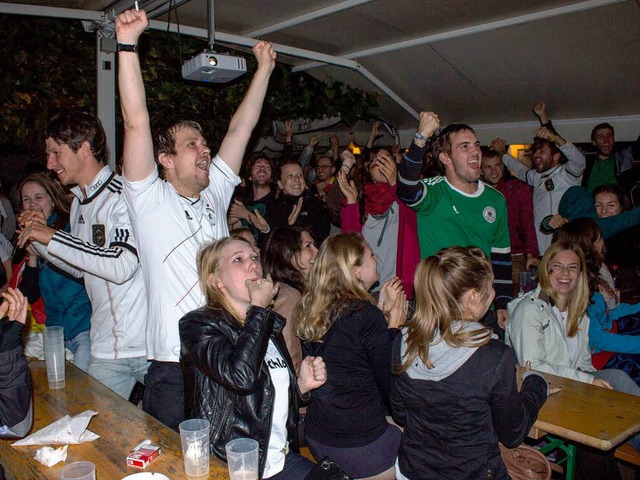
(569, 451)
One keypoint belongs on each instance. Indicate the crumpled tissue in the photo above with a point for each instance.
(66, 431)
(48, 456)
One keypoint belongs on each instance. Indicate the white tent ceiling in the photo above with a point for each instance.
(482, 62)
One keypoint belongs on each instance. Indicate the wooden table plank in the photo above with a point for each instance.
(120, 424)
(587, 414)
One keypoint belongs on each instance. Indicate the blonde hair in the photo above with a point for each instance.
(208, 262)
(331, 283)
(579, 299)
(441, 282)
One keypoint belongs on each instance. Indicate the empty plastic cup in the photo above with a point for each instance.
(79, 471)
(194, 435)
(242, 459)
(54, 356)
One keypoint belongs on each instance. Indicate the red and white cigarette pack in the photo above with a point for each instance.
(143, 455)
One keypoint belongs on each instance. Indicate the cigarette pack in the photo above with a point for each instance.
(142, 456)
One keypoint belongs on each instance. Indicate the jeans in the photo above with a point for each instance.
(164, 393)
(119, 374)
(80, 346)
(296, 467)
(621, 382)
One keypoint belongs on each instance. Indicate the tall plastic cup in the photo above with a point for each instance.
(242, 459)
(54, 357)
(79, 471)
(194, 435)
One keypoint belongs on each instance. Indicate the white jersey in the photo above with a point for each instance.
(549, 186)
(101, 248)
(170, 229)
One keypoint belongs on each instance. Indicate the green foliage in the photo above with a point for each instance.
(49, 64)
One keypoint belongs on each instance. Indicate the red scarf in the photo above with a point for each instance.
(378, 197)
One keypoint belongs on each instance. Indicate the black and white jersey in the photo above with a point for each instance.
(101, 249)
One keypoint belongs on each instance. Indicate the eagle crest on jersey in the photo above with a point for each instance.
(99, 235)
(489, 214)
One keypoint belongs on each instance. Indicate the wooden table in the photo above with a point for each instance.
(120, 424)
(587, 414)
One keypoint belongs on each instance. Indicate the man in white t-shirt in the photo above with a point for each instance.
(178, 198)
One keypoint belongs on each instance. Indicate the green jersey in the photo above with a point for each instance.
(449, 217)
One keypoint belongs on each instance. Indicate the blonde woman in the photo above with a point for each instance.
(238, 374)
(339, 319)
(455, 390)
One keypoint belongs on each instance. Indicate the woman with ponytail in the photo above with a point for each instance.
(455, 387)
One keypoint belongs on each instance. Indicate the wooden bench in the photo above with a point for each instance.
(628, 454)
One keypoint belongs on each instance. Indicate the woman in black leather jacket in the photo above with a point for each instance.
(238, 374)
(455, 389)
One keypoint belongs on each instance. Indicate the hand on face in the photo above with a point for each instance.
(262, 291)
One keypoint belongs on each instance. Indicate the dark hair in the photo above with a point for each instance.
(618, 191)
(253, 158)
(74, 128)
(164, 139)
(442, 143)
(538, 143)
(584, 232)
(491, 154)
(282, 245)
(601, 126)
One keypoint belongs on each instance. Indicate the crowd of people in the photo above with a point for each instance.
(379, 295)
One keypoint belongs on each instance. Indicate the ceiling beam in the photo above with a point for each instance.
(55, 12)
(472, 30)
(295, 52)
(307, 17)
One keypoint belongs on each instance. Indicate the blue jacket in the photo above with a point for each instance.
(600, 336)
(65, 299)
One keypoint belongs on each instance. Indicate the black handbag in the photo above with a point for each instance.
(325, 469)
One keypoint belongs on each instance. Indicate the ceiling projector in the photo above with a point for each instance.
(214, 68)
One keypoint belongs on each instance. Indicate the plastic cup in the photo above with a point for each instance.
(242, 459)
(194, 435)
(79, 471)
(524, 278)
(54, 356)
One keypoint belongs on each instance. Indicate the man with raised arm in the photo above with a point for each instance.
(458, 208)
(178, 197)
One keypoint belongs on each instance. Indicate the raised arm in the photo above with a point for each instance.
(518, 168)
(246, 117)
(137, 153)
(409, 190)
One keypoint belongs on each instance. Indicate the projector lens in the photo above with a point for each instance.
(213, 61)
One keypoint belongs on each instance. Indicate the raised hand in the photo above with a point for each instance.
(348, 187)
(540, 109)
(129, 26)
(288, 130)
(389, 293)
(262, 291)
(388, 167)
(237, 209)
(293, 216)
(14, 306)
(499, 145)
(429, 123)
(265, 55)
(258, 221)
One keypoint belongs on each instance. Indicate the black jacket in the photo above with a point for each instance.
(16, 407)
(226, 379)
(313, 214)
(453, 425)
